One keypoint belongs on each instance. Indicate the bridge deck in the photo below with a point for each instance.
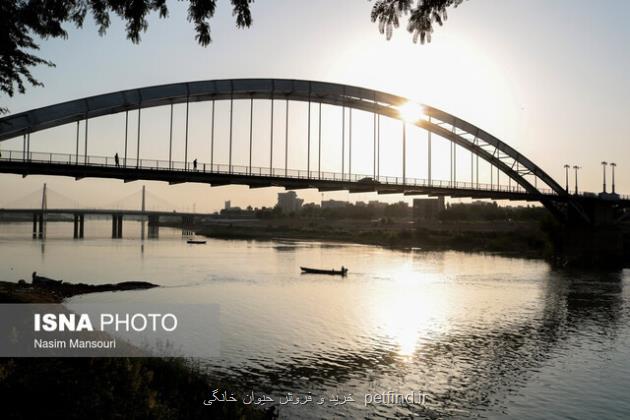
(16, 162)
(254, 177)
(104, 212)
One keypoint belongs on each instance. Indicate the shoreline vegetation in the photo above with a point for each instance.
(524, 231)
(101, 387)
(528, 239)
(45, 290)
(430, 225)
(523, 239)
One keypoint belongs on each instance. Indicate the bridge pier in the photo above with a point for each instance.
(39, 226)
(81, 225)
(604, 242)
(35, 218)
(188, 225)
(595, 247)
(76, 226)
(154, 227)
(117, 223)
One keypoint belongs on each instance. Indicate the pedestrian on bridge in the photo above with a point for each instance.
(117, 160)
(195, 164)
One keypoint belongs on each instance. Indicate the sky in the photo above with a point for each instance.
(547, 77)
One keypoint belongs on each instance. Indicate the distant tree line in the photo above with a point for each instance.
(475, 211)
(360, 211)
(488, 211)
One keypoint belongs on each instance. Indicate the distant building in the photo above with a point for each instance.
(228, 205)
(289, 202)
(427, 208)
(333, 204)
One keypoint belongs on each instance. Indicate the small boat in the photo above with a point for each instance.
(195, 242)
(333, 272)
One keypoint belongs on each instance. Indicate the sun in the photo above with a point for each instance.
(411, 112)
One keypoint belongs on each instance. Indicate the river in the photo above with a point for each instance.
(480, 335)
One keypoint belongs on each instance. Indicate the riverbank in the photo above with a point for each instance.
(79, 388)
(54, 292)
(507, 238)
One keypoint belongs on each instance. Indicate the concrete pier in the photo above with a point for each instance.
(117, 223)
(81, 225)
(588, 247)
(76, 226)
(154, 227)
(604, 242)
(41, 229)
(35, 225)
(39, 226)
(188, 225)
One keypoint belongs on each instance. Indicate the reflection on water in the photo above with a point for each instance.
(483, 336)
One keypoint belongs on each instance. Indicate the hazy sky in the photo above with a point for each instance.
(550, 78)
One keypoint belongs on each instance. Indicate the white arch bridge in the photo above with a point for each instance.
(511, 175)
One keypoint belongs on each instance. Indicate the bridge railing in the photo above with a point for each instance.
(222, 168)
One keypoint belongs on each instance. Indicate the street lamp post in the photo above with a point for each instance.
(566, 177)
(613, 166)
(576, 178)
(604, 163)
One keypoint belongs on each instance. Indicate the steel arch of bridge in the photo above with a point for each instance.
(459, 132)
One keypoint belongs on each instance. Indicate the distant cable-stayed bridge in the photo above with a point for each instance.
(38, 205)
(58, 200)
